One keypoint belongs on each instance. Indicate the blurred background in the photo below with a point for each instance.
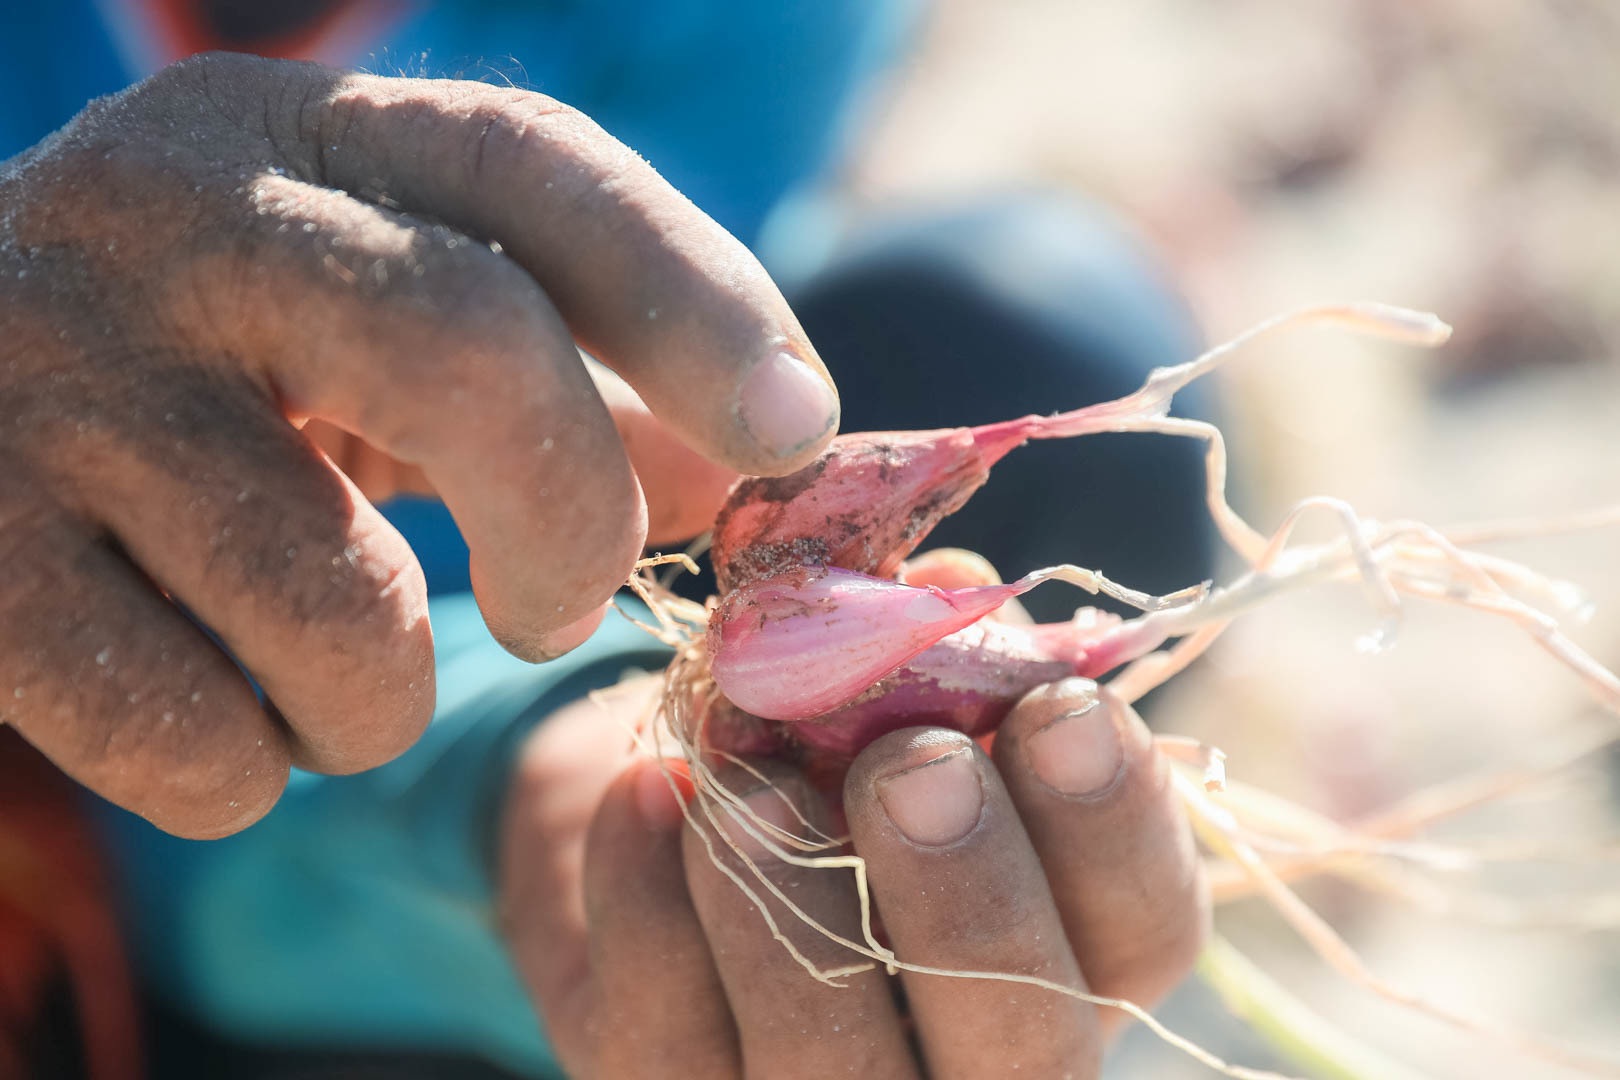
(1459, 156)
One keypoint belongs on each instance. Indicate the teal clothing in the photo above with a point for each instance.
(359, 912)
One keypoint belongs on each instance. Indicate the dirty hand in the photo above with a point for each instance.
(1062, 855)
(194, 268)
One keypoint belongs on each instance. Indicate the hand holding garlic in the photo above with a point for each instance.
(1059, 856)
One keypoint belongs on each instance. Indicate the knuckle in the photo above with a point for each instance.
(339, 589)
(516, 133)
(215, 84)
(199, 69)
(322, 120)
(473, 299)
(479, 296)
(227, 82)
(277, 108)
(1002, 919)
(479, 342)
(505, 126)
(197, 72)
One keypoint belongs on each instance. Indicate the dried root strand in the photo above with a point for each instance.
(712, 800)
(685, 690)
(1299, 843)
(1394, 559)
(1240, 826)
(1405, 557)
(1210, 822)
(1211, 760)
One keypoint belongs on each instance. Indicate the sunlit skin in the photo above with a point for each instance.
(237, 248)
(1062, 852)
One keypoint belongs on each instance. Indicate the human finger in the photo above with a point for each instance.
(444, 355)
(683, 489)
(799, 1013)
(660, 1006)
(378, 476)
(154, 433)
(116, 686)
(594, 905)
(146, 369)
(961, 890)
(436, 348)
(231, 512)
(646, 281)
(1097, 803)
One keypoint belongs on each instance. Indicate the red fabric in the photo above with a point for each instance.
(57, 921)
(187, 31)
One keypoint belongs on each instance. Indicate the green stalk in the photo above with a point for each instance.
(1288, 1025)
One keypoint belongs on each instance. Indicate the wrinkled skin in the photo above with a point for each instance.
(1062, 853)
(196, 267)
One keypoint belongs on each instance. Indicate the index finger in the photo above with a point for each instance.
(645, 281)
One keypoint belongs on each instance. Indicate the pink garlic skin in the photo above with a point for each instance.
(871, 498)
(811, 628)
(864, 505)
(801, 644)
(968, 681)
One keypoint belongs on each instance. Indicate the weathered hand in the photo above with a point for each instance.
(683, 489)
(193, 267)
(1064, 856)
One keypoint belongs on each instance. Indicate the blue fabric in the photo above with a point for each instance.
(432, 533)
(735, 101)
(358, 913)
(54, 58)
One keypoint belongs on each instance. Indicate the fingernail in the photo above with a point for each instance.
(1079, 753)
(662, 790)
(767, 807)
(785, 404)
(935, 803)
(572, 636)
